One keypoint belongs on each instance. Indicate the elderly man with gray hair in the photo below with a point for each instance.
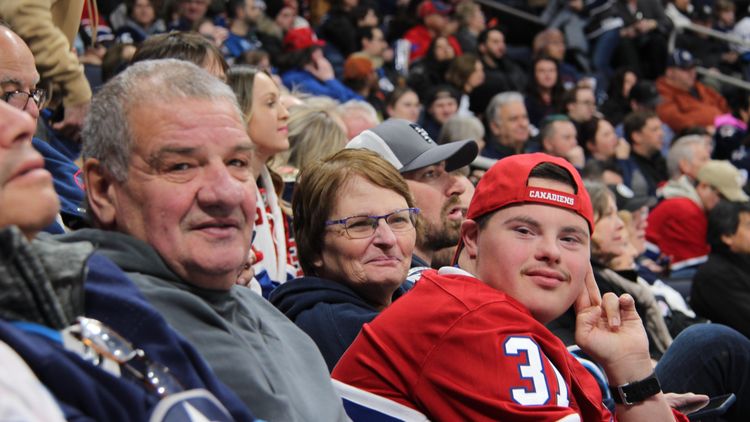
(170, 190)
(509, 125)
(686, 156)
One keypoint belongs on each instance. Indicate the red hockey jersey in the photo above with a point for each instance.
(456, 349)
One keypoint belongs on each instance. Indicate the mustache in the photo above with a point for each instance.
(452, 202)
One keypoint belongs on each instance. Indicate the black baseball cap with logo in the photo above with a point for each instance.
(409, 147)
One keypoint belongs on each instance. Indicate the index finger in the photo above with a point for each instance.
(590, 295)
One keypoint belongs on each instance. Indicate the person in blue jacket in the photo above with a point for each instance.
(304, 67)
(18, 71)
(355, 219)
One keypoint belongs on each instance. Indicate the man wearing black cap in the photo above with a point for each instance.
(685, 101)
(426, 166)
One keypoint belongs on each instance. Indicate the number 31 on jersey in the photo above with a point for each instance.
(540, 386)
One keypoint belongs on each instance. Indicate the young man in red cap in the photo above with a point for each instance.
(480, 350)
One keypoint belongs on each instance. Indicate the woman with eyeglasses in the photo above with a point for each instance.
(355, 225)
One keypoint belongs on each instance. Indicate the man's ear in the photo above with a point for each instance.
(590, 147)
(545, 145)
(494, 128)
(470, 235)
(682, 165)
(100, 193)
(635, 136)
(727, 239)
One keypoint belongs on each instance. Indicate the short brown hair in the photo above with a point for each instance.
(317, 191)
(187, 46)
(635, 122)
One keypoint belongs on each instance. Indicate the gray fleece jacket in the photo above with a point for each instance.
(272, 365)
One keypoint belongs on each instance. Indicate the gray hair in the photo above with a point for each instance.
(106, 132)
(682, 149)
(499, 101)
(358, 108)
(459, 127)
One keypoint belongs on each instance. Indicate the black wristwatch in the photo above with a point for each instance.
(636, 392)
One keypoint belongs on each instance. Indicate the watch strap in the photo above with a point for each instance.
(636, 392)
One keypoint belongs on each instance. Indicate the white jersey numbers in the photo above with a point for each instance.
(533, 370)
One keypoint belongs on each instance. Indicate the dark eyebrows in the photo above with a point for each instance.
(536, 224)
(522, 219)
(575, 230)
(418, 173)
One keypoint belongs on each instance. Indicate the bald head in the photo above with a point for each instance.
(17, 68)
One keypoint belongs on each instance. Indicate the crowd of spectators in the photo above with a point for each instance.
(209, 179)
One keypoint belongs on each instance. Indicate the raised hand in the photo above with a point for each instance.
(609, 329)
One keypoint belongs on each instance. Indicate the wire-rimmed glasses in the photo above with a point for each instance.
(20, 99)
(363, 226)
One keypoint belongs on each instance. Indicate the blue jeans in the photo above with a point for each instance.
(603, 48)
(709, 359)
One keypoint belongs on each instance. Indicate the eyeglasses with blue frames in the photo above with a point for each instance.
(109, 344)
(363, 226)
(20, 99)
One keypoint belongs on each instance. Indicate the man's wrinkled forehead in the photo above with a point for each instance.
(157, 116)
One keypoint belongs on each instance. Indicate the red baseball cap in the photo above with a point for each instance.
(301, 38)
(430, 7)
(506, 183)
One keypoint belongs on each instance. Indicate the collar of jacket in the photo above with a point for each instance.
(41, 281)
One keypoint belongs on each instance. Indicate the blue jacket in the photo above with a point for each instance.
(44, 286)
(331, 313)
(306, 82)
(64, 172)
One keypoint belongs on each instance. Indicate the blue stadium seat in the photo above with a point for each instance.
(363, 406)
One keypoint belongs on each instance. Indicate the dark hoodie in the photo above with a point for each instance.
(329, 312)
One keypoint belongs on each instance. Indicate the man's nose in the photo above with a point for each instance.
(454, 185)
(221, 187)
(15, 125)
(32, 109)
(548, 249)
